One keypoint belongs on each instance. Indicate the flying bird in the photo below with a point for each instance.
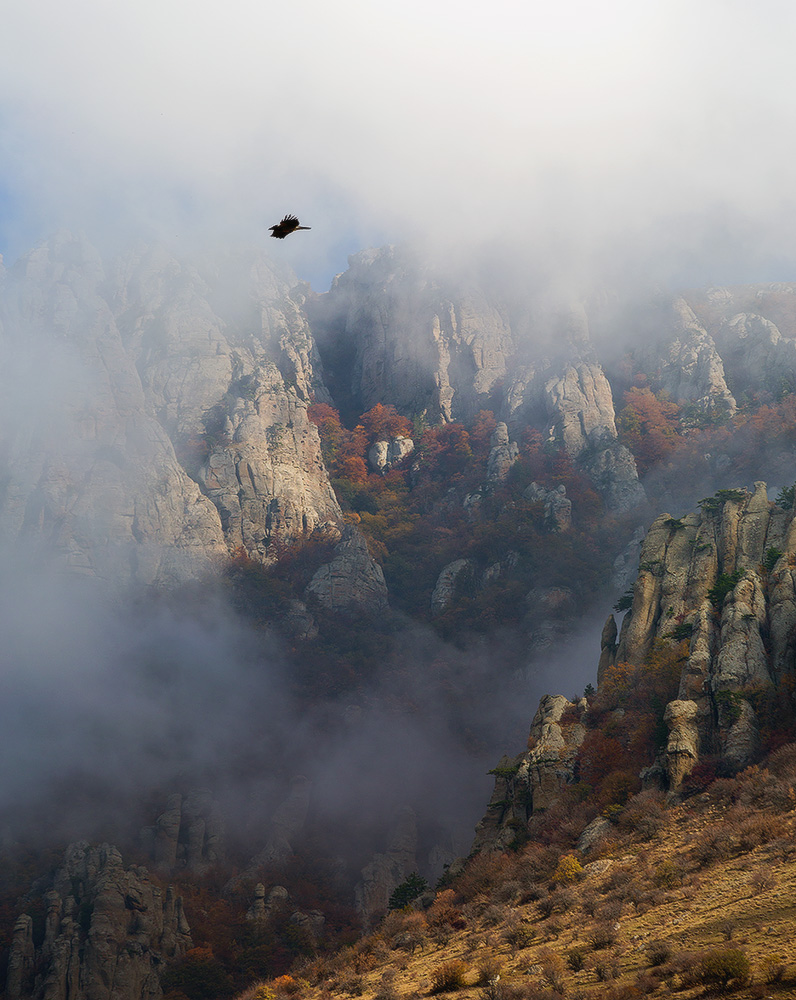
(287, 226)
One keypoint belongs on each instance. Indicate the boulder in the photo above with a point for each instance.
(682, 747)
(383, 455)
(353, 581)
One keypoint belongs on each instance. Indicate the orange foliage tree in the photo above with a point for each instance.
(649, 426)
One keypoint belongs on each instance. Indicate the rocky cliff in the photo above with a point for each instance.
(171, 424)
(721, 580)
(716, 592)
(393, 330)
(108, 931)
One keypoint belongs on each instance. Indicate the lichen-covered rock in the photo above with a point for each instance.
(557, 506)
(158, 377)
(285, 825)
(449, 578)
(188, 834)
(721, 580)
(90, 471)
(581, 408)
(692, 372)
(503, 454)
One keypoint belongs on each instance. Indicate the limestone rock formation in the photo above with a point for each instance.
(557, 506)
(682, 747)
(188, 834)
(580, 406)
(91, 471)
(387, 870)
(108, 932)
(503, 453)
(719, 579)
(383, 455)
(691, 369)
(173, 427)
(533, 779)
(449, 578)
(393, 330)
(287, 823)
(353, 581)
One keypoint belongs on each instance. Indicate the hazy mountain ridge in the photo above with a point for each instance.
(175, 431)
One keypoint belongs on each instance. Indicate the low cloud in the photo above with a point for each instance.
(651, 133)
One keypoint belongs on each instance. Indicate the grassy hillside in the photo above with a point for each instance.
(686, 898)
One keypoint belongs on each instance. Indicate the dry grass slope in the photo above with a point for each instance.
(703, 906)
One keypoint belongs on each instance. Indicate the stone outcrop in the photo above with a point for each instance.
(353, 581)
(385, 871)
(173, 423)
(392, 330)
(689, 367)
(286, 824)
(90, 472)
(383, 455)
(449, 578)
(503, 453)
(108, 933)
(265, 909)
(682, 747)
(721, 580)
(534, 779)
(557, 506)
(188, 834)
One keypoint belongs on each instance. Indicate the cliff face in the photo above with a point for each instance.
(108, 930)
(394, 331)
(717, 590)
(722, 579)
(170, 421)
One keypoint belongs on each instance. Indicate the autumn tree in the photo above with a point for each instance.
(649, 426)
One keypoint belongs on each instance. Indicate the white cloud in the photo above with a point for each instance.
(591, 122)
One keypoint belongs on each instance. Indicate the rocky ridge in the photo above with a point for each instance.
(108, 931)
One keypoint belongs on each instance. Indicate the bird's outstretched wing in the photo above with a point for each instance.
(288, 225)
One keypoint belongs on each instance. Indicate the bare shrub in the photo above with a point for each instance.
(352, 984)
(605, 967)
(443, 912)
(762, 881)
(773, 969)
(647, 983)
(532, 893)
(667, 875)
(610, 911)
(519, 935)
(386, 991)
(509, 892)
(405, 930)
(645, 814)
(489, 970)
(602, 935)
(553, 969)
(724, 967)
(448, 977)
(494, 915)
(576, 958)
(658, 952)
